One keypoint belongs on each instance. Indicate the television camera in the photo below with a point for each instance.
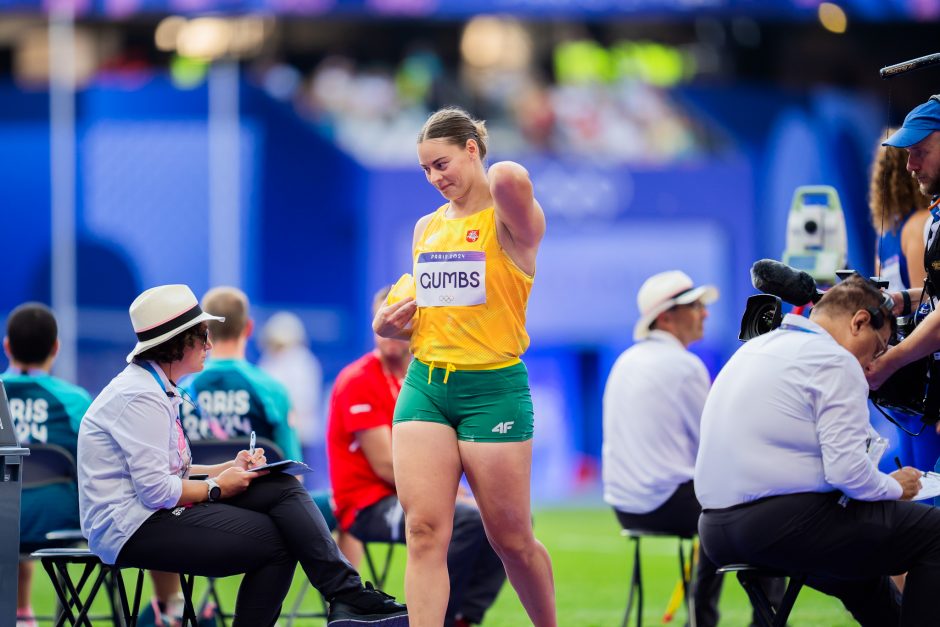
(907, 391)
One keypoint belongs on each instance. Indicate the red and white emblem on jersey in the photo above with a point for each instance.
(473, 235)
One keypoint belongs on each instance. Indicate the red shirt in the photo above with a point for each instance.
(363, 397)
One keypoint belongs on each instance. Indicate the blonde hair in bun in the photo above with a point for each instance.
(456, 126)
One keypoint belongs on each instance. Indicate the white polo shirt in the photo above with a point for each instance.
(652, 407)
(129, 458)
(788, 413)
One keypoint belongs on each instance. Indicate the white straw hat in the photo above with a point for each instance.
(164, 312)
(663, 291)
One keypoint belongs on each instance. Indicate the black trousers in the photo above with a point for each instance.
(262, 532)
(476, 572)
(679, 515)
(847, 551)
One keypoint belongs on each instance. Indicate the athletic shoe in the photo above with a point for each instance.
(366, 606)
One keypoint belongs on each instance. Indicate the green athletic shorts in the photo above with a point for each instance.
(481, 405)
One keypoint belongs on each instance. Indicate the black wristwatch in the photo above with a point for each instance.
(215, 492)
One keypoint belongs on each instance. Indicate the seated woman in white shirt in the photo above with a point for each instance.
(140, 506)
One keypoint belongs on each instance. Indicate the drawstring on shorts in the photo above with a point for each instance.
(448, 368)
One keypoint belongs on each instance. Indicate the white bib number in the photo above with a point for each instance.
(451, 279)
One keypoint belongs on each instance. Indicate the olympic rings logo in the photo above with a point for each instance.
(447, 299)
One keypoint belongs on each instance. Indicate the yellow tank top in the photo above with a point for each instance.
(471, 296)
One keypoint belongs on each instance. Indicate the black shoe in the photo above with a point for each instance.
(366, 606)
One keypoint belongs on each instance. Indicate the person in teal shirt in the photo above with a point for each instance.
(46, 410)
(234, 396)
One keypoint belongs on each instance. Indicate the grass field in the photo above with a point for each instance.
(592, 569)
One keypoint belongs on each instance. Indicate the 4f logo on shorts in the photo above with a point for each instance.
(473, 235)
(503, 427)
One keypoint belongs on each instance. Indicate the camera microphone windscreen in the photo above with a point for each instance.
(793, 286)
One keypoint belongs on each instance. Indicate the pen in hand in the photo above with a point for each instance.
(251, 448)
(897, 460)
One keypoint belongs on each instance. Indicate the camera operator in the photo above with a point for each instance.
(782, 470)
(920, 135)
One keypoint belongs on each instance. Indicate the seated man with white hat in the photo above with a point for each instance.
(652, 407)
(653, 404)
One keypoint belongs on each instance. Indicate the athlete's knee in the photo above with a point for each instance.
(426, 536)
(514, 544)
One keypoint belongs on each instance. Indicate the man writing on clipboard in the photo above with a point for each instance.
(784, 477)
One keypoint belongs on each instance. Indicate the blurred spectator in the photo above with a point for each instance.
(899, 214)
(288, 359)
(46, 410)
(236, 397)
(610, 104)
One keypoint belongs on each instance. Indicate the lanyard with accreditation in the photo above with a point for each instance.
(793, 327)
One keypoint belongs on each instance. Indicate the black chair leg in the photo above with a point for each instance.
(58, 587)
(128, 614)
(636, 588)
(72, 599)
(189, 613)
(789, 600)
(639, 587)
(687, 576)
(212, 593)
(84, 608)
(765, 611)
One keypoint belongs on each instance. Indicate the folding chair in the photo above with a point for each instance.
(687, 574)
(79, 596)
(379, 577)
(50, 464)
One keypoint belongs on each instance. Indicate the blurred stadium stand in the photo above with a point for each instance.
(659, 134)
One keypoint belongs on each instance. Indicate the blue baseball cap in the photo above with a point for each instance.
(920, 122)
